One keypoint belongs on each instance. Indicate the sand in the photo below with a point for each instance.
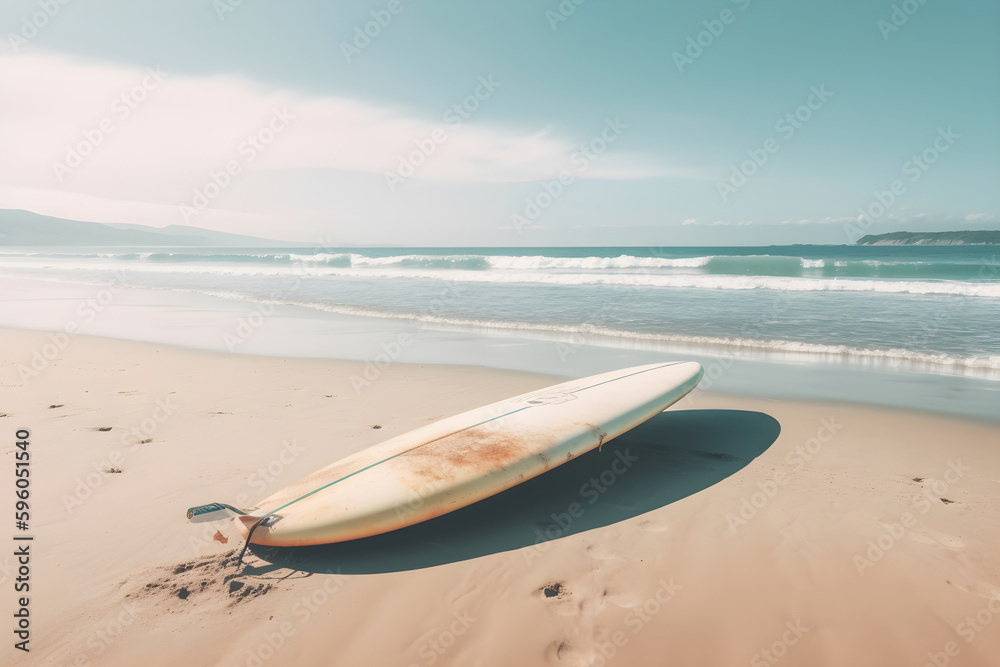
(730, 531)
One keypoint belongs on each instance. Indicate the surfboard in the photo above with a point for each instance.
(457, 461)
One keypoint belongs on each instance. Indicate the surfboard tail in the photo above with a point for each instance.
(248, 524)
(247, 521)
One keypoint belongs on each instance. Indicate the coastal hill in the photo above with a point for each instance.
(24, 228)
(984, 237)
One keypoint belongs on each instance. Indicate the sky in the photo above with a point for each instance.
(512, 123)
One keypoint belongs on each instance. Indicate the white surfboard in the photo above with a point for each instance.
(460, 460)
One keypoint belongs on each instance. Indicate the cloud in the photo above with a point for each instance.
(95, 132)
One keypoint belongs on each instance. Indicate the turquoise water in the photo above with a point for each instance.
(930, 308)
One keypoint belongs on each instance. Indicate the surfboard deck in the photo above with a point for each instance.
(460, 460)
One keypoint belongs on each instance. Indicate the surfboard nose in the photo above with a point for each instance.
(693, 368)
(692, 372)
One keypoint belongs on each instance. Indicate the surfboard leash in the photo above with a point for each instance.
(246, 545)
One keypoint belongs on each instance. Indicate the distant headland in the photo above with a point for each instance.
(984, 237)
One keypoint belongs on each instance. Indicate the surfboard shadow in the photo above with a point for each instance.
(670, 457)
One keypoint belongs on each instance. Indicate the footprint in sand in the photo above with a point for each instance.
(570, 653)
(585, 607)
(581, 601)
(624, 599)
(558, 599)
(563, 652)
(980, 588)
(555, 590)
(211, 580)
(602, 552)
(654, 526)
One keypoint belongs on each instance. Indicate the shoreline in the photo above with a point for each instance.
(742, 515)
(197, 321)
(552, 378)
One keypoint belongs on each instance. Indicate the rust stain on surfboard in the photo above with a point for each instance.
(475, 450)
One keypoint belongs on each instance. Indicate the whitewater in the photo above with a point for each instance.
(931, 308)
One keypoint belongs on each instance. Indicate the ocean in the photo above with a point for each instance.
(931, 309)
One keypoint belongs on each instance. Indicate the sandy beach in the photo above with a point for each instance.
(311, 271)
(727, 530)
(328, 331)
